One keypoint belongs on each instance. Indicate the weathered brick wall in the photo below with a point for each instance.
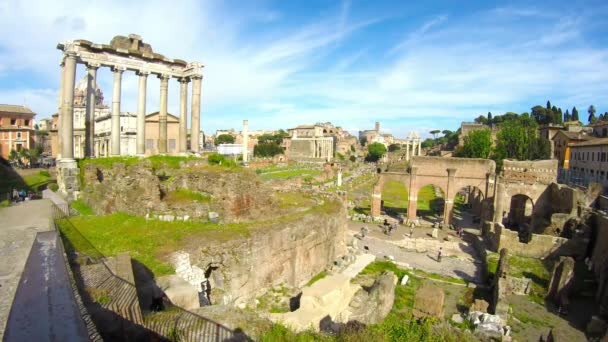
(540, 246)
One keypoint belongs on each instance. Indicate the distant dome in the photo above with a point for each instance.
(80, 93)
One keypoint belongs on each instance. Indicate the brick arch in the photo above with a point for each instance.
(450, 174)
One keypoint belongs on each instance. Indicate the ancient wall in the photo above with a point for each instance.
(529, 178)
(288, 253)
(237, 195)
(539, 247)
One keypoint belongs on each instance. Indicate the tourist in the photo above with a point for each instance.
(363, 230)
(439, 254)
(411, 233)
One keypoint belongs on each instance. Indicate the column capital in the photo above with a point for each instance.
(196, 77)
(92, 66)
(451, 172)
(164, 77)
(70, 54)
(143, 73)
(183, 79)
(118, 69)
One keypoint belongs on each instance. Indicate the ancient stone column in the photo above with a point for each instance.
(89, 123)
(449, 197)
(162, 114)
(339, 181)
(376, 206)
(195, 121)
(67, 124)
(245, 141)
(407, 150)
(412, 195)
(60, 113)
(141, 112)
(183, 116)
(419, 148)
(115, 122)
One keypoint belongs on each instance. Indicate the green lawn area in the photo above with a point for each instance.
(521, 267)
(186, 196)
(146, 241)
(149, 241)
(82, 208)
(157, 161)
(395, 196)
(33, 182)
(290, 200)
(289, 174)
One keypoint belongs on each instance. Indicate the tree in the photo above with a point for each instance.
(394, 147)
(539, 113)
(477, 144)
(363, 141)
(375, 151)
(428, 143)
(482, 120)
(489, 117)
(592, 119)
(267, 149)
(352, 158)
(548, 105)
(518, 139)
(224, 139)
(567, 116)
(434, 133)
(574, 114)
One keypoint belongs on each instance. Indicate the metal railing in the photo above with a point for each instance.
(175, 323)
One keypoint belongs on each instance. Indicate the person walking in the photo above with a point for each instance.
(363, 230)
(439, 255)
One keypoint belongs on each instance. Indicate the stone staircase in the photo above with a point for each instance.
(110, 284)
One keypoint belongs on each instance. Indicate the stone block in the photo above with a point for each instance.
(435, 233)
(428, 301)
(179, 291)
(457, 318)
(479, 305)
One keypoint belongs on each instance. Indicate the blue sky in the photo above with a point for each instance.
(413, 66)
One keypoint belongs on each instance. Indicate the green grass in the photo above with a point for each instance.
(426, 199)
(158, 161)
(146, 241)
(289, 200)
(34, 182)
(521, 267)
(82, 207)
(185, 196)
(149, 241)
(316, 278)
(395, 195)
(5, 203)
(289, 174)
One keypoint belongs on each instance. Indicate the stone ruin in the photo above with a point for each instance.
(562, 281)
(500, 285)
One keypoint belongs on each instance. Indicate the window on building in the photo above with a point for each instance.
(18, 135)
(26, 123)
(149, 144)
(13, 122)
(587, 158)
(592, 156)
(605, 132)
(603, 156)
(171, 144)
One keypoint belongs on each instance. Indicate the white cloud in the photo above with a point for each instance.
(287, 74)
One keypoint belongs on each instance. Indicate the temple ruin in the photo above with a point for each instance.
(123, 53)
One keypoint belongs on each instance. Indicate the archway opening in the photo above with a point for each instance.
(430, 203)
(468, 204)
(520, 213)
(394, 198)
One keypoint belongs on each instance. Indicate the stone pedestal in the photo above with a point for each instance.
(68, 178)
(376, 201)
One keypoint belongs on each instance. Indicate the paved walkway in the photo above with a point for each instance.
(459, 257)
(36, 297)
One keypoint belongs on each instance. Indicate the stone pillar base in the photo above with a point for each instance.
(376, 201)
(68, 178)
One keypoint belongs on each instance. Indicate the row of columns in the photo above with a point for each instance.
(415, 146)
(66, 110)
(323, 149)
(450, 193)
